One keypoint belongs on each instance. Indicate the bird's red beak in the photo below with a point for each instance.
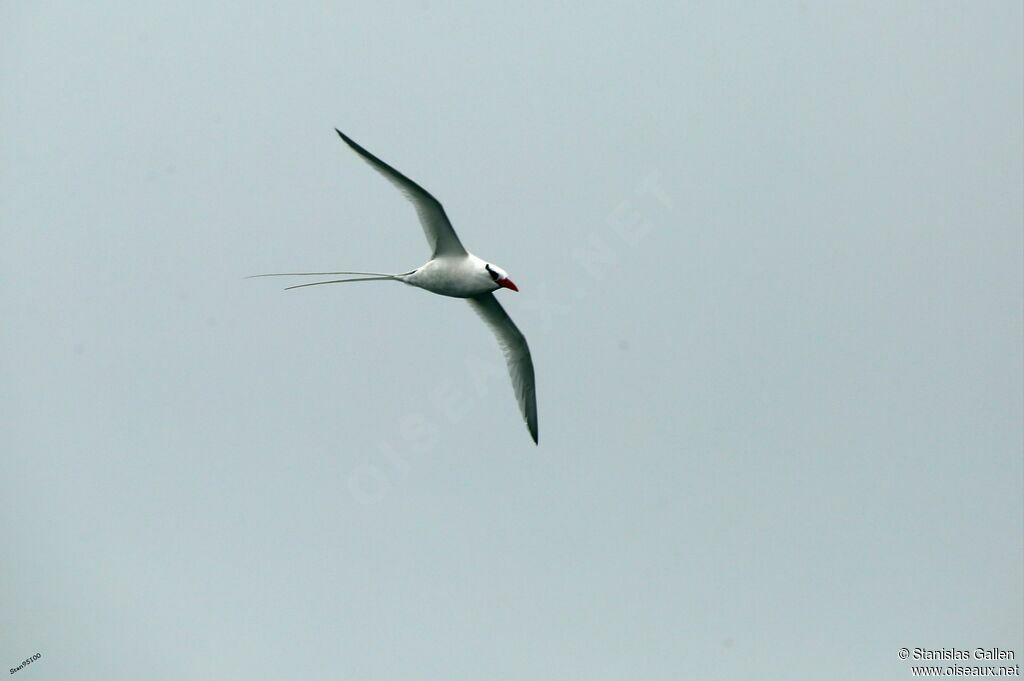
(507, 283)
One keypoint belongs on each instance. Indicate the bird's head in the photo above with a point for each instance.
(499, 277)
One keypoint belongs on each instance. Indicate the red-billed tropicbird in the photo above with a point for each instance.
(453, 271)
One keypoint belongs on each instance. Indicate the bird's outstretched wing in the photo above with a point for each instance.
(517, 355)
(439, 231)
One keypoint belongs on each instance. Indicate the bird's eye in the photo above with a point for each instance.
(494, 275)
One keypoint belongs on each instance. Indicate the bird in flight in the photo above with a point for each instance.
(452, 271)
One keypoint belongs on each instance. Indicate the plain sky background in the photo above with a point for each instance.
(770, 257)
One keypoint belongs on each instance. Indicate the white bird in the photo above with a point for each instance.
(452, 271)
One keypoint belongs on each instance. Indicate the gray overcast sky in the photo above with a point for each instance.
(770, 261)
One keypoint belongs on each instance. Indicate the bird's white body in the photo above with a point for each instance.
(455, 272)
(454, 276)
